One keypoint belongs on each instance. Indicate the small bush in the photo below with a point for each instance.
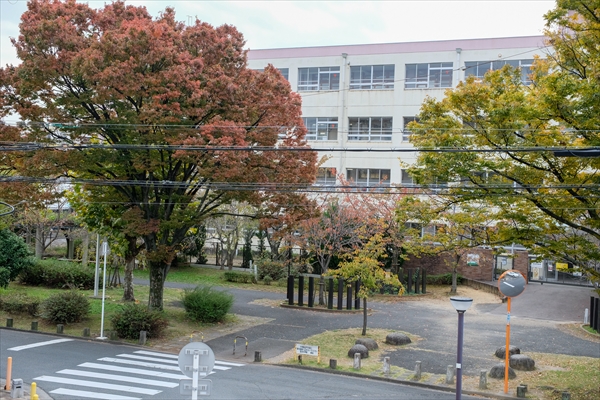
(133, 318)
(275, 269)
(18, 303)
(64, 308)
(58, 274)
(267, 279)
(204, 304)
(239, 277)
(443, 279)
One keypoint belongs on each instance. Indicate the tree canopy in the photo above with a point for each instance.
(508, 132)
(154, 108)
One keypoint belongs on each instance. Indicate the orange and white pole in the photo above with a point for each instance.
(507, 350)
(8, 373)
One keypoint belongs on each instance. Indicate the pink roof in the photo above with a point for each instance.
(408, 47)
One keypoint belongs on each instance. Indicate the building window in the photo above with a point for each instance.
(406, 179)
(428, 76)
(318, 78)
(285, 72)
(370, 128)
(369, 177)
(326, 177)
(479, 68)
(322, 128)
(372, 77)
(406, 133)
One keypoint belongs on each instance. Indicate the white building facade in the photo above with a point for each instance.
(363, 96)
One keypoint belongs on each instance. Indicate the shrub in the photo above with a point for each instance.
(63, 308)
(204, 304)
(275, 269)
(239, 277)
(18, 303)
(133, 318)
(14, 257)
(267, 279)
(443, 279)
(58, 274)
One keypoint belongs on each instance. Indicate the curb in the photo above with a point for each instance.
(5, 394)
(398, 381)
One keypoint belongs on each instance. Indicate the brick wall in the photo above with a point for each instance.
(441, 264)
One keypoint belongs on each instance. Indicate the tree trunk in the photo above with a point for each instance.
(322, 291)
(85, 256)
(454, 272)
(39, 241)
(364, 331)
(128, 280)
(157, 281)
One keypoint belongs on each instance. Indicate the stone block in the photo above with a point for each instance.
(497, 372)
(397, 338)
(369, 343)
(522, 362)
(360, 349)
(501, 351)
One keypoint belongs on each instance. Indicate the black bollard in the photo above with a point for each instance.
(311, 291)
(409, 281)
(597, 317)
(417, 276)
(301, 290)
(330, 294)
(290, 290)
(357, 299)
(592, 311)
(340, 304)
(349, 297)
(423, 281)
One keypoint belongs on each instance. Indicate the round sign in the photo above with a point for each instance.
(206, 360)
(511, 283)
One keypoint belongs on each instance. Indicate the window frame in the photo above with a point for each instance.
(352, 174)
(321, 121)
(326, 176)
(524, 65)
(424, 74)
(362, 129)
(366, 79)
(314, 81)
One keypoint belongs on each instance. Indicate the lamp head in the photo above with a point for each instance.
(461, 304)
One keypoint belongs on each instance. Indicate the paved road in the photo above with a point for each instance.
(69, 369)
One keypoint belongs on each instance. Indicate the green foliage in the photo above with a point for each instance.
(443, 279)
(19, 303)
(239, 277)
(58, 274)
(67, 307)
(205, 304)
(276, 269)
(14, 257)
(267, 279)
(133, 318)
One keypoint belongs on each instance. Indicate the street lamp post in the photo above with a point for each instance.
(461, 304)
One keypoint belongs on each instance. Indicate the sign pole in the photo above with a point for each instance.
(507, 351)
(195, 376)
(105, 251)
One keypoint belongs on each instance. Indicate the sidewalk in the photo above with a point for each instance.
(6, 394)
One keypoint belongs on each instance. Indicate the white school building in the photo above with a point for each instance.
(363, 96)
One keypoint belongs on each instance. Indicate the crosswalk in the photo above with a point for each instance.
(135, 376)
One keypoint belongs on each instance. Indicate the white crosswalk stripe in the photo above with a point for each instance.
(142, 372)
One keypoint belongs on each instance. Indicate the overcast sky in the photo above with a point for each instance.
(278, 23)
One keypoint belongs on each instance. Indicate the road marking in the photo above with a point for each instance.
(39, 344)
(129, 379)
(140, 363)
(116, 368)
(134, 356)
(229, 363)
(100, 385)
(92, 395)
(221, 368)
(152, 353)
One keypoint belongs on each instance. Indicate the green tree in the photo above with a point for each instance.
(445, 228)
(14, 257)
(512, 131)
(155, 108)
(364, 266)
